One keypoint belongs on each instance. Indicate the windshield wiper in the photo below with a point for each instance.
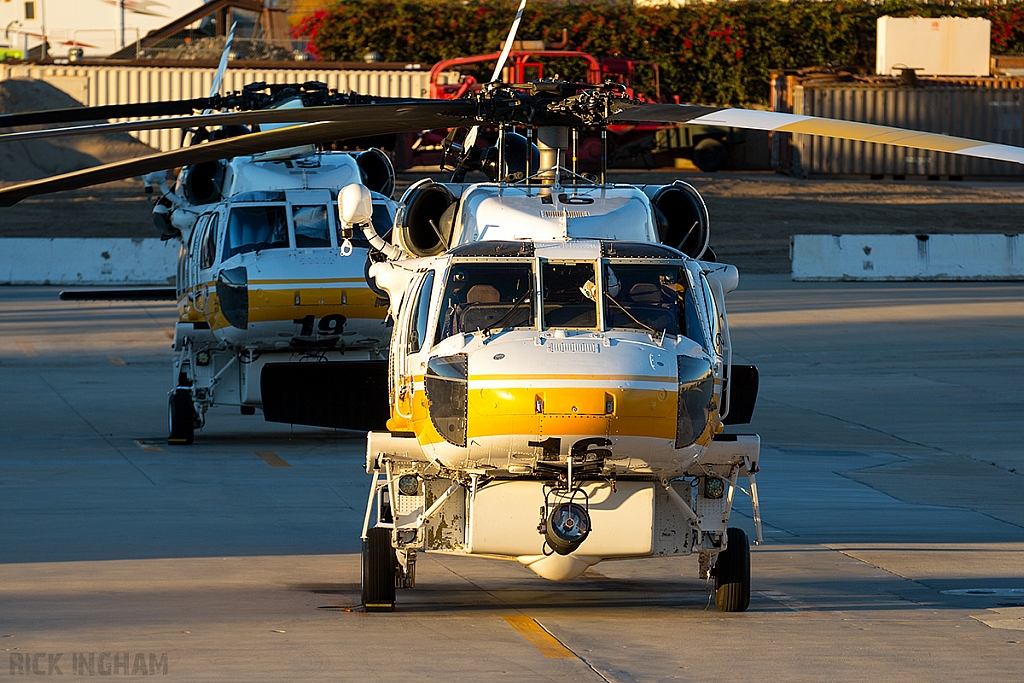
(501, 323)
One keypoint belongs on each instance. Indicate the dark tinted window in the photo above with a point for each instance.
(654, 297)
(569, 295)
(480, 296)
(253, 228)
(311, 227)
(418, 326)
(643, 297)
(209, 247)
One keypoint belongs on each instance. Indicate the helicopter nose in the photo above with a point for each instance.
(233, 293)
(611, 406)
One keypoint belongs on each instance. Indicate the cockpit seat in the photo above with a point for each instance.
(645, 293)
(482, 294)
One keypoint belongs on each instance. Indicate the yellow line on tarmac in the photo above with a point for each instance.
(27, 349)
(148, 447)
(116, 362)
(272, 459)
(539, 638)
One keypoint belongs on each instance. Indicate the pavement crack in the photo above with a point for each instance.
(876, 430)
(576, 654)
(340, 497)
(542, 626)
(96, 431)
(868, 427)
(879, 567)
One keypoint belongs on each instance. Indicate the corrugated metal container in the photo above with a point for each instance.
(100, 85)
(982, 108)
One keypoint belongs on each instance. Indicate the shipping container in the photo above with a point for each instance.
(990, 109)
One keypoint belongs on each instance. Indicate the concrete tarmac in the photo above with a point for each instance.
(891, 417)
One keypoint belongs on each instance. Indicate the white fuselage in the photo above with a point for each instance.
(264, 275)
(557, 352)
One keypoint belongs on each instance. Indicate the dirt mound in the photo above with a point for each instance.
(33, 159)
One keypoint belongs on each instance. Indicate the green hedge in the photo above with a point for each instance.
(717, 53)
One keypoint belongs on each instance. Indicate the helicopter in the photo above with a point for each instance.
(273, 306)
(560, 370)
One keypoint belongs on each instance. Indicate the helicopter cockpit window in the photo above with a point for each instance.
(714, 322)
(568, 301)
(208, 250)
(311, 227)
(486, 296)
(651, 297)
(418, 323)
(254, 228)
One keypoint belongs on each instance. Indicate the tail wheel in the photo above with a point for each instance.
(181, 417)
(378, 571)
(732, 574)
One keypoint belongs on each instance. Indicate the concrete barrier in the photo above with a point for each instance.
(91, 261)
(907, 257)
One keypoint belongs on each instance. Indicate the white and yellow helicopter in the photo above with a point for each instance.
(561, 367)
(560, 370)
(274, 310)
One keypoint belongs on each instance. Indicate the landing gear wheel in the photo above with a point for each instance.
(248, 410)
(379, 562)
(180, 418)
(732, 574)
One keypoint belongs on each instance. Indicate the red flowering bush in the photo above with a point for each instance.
(718, 53)
(309, 28)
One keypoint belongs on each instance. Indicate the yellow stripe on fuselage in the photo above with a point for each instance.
(508, 411)
(305, 281)
(286, 300)
(520, 379)
(292, 303)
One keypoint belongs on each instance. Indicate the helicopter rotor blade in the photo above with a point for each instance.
(222, 68)
(304, 115)
(508, 42)
(348, 122)
(470, 142)
(110, 111)
(812, 125)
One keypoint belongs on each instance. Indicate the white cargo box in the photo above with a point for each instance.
(948, 46)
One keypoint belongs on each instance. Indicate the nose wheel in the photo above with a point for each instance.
(378, 577)
(732, 574)
(181, 418)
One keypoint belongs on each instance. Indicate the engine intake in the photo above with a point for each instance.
(426, 219)
(682, 217)
(377, 171)
(203, 183)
